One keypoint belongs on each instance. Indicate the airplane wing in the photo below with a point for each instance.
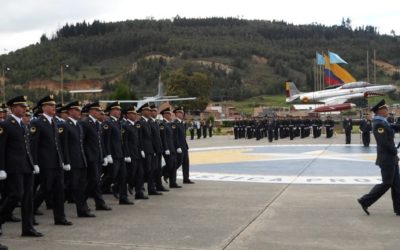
(152, 100)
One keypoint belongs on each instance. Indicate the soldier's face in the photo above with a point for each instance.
(49, 109)
(116, 113)
(383, 112)
(131, 116)
(153, 113)
(95, 113)
(18, 111)
(26, 119)
(74, 114)
(179, 115)
(167, 116)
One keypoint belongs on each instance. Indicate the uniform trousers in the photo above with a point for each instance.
(19, 188)
(390, 179)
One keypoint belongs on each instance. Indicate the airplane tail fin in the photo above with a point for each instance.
(160, 92)
(291, 91)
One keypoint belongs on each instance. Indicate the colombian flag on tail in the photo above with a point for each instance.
(334, 74)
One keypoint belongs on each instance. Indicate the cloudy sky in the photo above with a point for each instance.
(22, 22)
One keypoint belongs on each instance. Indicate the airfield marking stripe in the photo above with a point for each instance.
(274, 146)
(285, 179)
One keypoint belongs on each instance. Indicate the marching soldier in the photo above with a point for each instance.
(167, 137)
(131, 143)
(146, 147)
(114, 147)
(16, 166)
(47, 158)
(387, 160)
(77, 159)
(93, 147)
(348, 127)
(366, 127)
(182, 148)
(158, 148)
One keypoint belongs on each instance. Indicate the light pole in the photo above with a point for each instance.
(62, 82)
(3, 79)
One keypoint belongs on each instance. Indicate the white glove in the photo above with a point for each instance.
(110, 159)
(167, 152)
(179, 150)
(163, 163)
(66, 167)
(143, 154)
(3, 175)
(128, 159)
(105, 162)
(36, 169)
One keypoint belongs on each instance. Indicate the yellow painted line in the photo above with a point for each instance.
(223, 156)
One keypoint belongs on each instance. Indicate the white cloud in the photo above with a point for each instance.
(23, 21)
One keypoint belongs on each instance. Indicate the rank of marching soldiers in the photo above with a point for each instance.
(275, 179)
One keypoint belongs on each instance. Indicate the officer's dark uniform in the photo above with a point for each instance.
(366, 127)
(180, 141)
(348, 127)
(158, 149)
(47, 154)
(167, 138)
(16, 161)
(329, 124)
(387, 160)
(93, 148)
(146, 145)
(135, 173)
(114, 146)
(77, 160)
(210, 128)
(204, 128)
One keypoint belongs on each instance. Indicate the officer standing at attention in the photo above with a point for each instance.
(16, 167)
(329, 124)
(387, 160)
(47, 157)
(365, 128)
(348, 127)
(182, 146)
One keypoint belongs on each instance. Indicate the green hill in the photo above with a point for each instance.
(242, 58)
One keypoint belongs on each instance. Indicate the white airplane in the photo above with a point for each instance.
(160, 97)
(337, 95)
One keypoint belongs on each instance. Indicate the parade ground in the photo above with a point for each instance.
(249, 194)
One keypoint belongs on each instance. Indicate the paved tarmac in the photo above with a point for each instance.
(243, 212)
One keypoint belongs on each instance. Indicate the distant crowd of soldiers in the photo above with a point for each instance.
(280, 128)
(200, 128)
(72, 153)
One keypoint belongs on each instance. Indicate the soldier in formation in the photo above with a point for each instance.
(73, 152)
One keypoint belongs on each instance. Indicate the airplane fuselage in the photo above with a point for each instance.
(337, 95)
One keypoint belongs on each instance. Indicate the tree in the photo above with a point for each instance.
(193, 84)
(122, 92)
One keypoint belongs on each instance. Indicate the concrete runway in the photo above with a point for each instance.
(248, 195)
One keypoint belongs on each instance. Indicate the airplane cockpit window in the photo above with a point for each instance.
(352, 85)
